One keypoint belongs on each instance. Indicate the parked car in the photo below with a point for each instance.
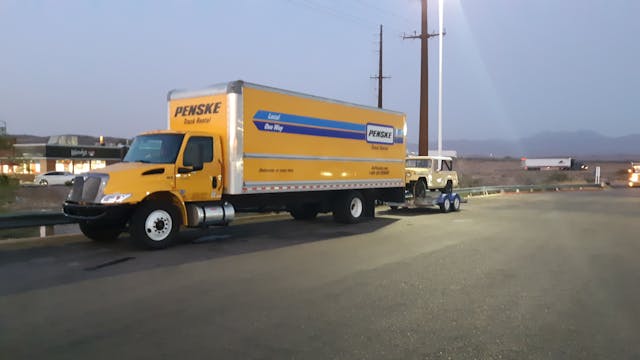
(54, 178)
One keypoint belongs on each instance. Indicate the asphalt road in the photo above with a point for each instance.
(531, 276)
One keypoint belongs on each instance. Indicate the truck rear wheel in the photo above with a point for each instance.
(100, 232)
(349, 207)
(304, 212)
(154, 225)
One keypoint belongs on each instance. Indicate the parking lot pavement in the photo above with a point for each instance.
(549, 275)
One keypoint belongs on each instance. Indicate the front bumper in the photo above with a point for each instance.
(112, 213)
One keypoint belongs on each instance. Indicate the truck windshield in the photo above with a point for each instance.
(155, 149)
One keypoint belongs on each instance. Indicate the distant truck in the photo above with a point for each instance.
(429, 181)
(242, 147)
(634, 174)
(553, 164)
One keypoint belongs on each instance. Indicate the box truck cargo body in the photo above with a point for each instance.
(244, 147)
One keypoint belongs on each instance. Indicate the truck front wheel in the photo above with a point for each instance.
(100, 232)
(349, 207)
(154, 225)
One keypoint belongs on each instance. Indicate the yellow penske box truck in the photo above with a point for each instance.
(242, 147)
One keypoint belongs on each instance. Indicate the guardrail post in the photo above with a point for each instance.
(46, 230)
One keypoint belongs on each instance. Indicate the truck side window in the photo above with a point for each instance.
(198, 148)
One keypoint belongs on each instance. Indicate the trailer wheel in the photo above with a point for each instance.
(304, 212)
(99, 232)
(349, 207)
(420, 189)
(154, 225)
(455, 205)
(445, 206)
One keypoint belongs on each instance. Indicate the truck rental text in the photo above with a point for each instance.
(242, 147)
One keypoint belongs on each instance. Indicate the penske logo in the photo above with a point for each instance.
(198, 109)
(379, 134)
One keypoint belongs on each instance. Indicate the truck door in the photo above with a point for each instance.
(199, 170)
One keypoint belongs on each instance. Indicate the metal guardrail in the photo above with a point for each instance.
(487, 190)
(33, 219)
(50, 218)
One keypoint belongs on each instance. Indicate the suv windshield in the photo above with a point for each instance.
(155, 148)
(418, 163)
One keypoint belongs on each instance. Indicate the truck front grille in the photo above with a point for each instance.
(88, 188)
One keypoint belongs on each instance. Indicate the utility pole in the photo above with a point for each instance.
(380, 77)
(423, 134)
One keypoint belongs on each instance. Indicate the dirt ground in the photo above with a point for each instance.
(487, 172)
(472, 172)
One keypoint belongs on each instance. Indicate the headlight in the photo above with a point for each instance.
(634, 177)
(114, 198)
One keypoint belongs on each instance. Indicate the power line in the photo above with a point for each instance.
(385, 11)
(333, 11)
(341, 12)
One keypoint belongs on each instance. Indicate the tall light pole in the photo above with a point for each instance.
(440, 54)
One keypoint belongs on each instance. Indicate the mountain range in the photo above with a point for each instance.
(577, 144)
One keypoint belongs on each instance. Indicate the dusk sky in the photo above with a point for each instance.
(512, 68)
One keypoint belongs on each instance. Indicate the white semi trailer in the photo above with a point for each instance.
(553, 164)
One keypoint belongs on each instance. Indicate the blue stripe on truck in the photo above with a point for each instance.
(304, 125)
(309, 121)
(305, 130)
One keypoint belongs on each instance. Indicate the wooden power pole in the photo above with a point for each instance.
(380, 77)
(423, 134)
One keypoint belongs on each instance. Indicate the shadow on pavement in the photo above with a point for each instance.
(52, 265)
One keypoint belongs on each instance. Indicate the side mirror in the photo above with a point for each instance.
(195, 166)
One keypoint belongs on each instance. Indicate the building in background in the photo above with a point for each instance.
(72, 153)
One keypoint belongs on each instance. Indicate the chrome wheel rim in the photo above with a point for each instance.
(158, 225)
(355, 208)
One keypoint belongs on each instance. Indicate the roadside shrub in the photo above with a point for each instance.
(468, 181)
(8, 181)
(557, 177)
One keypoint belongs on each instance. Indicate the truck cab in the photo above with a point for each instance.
(158, 187)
